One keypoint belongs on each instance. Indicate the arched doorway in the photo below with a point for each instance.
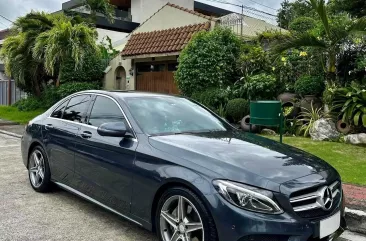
(120, 78)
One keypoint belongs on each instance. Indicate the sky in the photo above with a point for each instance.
(12, 9)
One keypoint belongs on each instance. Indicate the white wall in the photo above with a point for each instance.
(170, 17)
(143, 9)
(110, 77)
(115, 36)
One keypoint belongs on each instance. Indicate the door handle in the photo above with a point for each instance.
(86, 134)
(48, 126)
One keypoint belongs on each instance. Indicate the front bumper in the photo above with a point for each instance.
(235, 224)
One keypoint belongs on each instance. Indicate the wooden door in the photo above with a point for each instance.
(159, 81)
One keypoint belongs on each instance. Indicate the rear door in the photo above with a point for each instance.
(60, 132)
(103, 165)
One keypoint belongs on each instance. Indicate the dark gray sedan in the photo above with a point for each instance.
(174, 167)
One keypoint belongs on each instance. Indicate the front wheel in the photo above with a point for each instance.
(182, 216)
(39, 170)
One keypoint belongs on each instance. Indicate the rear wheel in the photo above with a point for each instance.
(39, 170)
(181, 216)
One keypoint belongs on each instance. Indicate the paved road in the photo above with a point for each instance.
(26, 215)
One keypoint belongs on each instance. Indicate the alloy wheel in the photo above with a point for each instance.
(180, 220)
(36, 168)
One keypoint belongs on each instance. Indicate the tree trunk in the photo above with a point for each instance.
(331, 68)
(37, 89)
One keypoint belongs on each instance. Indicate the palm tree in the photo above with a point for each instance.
(329, 43)
(40, 44)
(63, 42)
(100, 6)
(16, 51)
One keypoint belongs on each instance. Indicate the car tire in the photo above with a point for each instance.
(39, 170)
(192, 204)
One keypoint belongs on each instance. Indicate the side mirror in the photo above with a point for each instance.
(113, 129)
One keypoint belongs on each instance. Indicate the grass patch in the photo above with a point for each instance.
(349, 160)
(13, 114)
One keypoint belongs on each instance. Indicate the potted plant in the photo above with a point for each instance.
(309, 88)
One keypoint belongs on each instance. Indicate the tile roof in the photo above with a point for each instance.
(191, 11)
(162, 41)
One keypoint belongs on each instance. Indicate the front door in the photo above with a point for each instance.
(103, 165)
(60, 131)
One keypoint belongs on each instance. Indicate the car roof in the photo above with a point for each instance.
(125, 94)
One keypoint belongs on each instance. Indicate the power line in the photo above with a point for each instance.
(242, 6)
(6, 18)
(261, 4)
(3, 24)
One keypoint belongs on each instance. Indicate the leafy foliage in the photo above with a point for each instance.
(69, 88)
(292, 10)
(302, 24)
(90, 71)
(356, 8)
(100, 6)
(309, 85)
(236, 109)
(261, 87)
(253, 59)
(65, 41)
(212, 98)
(308, 118)
(39, 45)
(16, 51)
(51, 95)
(350, 103)
(208, 60)
(327, 39)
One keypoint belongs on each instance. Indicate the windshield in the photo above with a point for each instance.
(172, 115)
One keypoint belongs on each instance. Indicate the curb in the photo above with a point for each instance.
(356, 220)
(10, 134)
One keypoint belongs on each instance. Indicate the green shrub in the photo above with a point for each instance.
(236, 109)
(73, 87)
(261, 86)
(350, 104)
(208, 61)
(91, 70)
(309, 85)
(302, 24)
(212, 98)
(29, 104)
(51, 95)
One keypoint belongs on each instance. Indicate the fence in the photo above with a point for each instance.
(15, 93)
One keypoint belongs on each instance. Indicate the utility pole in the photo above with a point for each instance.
(241, 21)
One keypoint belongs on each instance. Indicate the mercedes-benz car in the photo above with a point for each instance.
(174, 167)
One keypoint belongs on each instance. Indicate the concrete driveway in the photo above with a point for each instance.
(27, 215)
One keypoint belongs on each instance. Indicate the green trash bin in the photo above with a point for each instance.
(266, 113)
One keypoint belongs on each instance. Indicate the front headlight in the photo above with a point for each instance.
(247, 197)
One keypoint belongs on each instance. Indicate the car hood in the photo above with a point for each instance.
(242, 157)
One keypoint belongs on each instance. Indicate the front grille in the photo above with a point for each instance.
(317, 203)
(265, 238)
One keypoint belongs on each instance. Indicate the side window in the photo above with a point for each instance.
(104, 110)
(57, 113)
(76, 108)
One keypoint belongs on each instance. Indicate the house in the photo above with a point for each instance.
(130, 13)
(149, 54)
(149, 57)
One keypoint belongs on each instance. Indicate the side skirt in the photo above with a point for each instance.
(82, 195)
